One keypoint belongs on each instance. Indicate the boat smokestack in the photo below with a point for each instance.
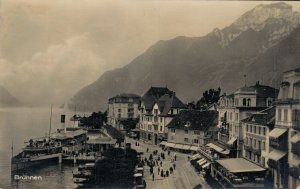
(63, 122)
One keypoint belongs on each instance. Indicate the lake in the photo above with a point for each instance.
(21, 124)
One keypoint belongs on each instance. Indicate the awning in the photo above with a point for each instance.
(163, 143)
(178, 146)
(196, 156)
(295, 138)
(186, 147)
(277, 155)
(215, 147)
(225, 152)
(239, 165)
(194, 148)
(202, 162)
(277, 132)
(168, 144)
(206, 165)
(138, 175)
(231, 141)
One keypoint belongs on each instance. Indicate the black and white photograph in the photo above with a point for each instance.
(149, 94)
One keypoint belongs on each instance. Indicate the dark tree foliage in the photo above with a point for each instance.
(129, 124)
(116, 169)
(209, 97)
(95, 120)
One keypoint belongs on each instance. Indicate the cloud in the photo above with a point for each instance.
(55, 75)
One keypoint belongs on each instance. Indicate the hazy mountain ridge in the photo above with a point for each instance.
(7, 99)
(190, 65)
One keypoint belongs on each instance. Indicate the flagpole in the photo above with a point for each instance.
(50, 122)
(12, 148)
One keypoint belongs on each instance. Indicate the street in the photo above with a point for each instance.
(183, 177)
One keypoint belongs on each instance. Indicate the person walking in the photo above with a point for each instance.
(174, 166)
(153, 177)
(162, 173)
(167, 173)
(161, 163)
(175, 157)
(158, 170)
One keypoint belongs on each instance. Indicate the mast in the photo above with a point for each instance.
(12, 148)
(75, 117)
(50, 122)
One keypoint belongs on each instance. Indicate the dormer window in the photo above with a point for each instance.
(248, 102)
(244, 102)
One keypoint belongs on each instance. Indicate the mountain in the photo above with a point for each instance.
(7, 99)
(261, 44)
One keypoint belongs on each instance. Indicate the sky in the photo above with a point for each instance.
(50, 49)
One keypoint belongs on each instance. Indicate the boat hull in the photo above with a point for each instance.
(21, 164)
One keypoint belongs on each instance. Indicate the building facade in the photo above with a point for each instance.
(284, 157)
(238, 106)
(256, 139)
(193, 127)
(158, 107)
(121, 107)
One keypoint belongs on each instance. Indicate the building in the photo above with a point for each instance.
(256, 136)
(238, 106)
(121, 107)
(192, 128)
(158, 107)
(284, 143)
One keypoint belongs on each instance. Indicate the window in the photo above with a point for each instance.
(236, 102)
(279, 114)
(119, 110)
(230, 115)
(196, 141)
(186, 140)
(172, 111)
(285, 115)
(264, 131)
(263, 147)
(173, 130)
(197, 132)
(248, 102)
(254, 129)
(254, 143)
(244, 102)
(250, 128)
(161, 128)
(161, 120)
(119, 115)
(236, 116)
(247, 128)
(186, 131)
(155, 111)
(149, 127)
(296, 115)
(251, 142)
(259, 144)
(259, 129)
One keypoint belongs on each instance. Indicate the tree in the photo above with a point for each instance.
(208, 97)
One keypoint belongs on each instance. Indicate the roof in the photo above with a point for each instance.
(168, 101)
(276, 154)
(102, 140)
(125, 97)
(194, 120)
(114, 133)
(68, 134)
(277, 132)
(262, 91)
(265, 117)
(152, 95)
(293, 70)
(239, 165)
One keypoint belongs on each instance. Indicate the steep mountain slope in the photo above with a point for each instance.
(7, 99)
(262, 44)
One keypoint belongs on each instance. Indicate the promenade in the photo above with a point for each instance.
(183, 177)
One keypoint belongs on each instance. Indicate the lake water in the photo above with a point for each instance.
(21, 124)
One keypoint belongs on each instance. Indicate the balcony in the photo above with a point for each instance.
(296, 125)
(296, 148)
(294, 171)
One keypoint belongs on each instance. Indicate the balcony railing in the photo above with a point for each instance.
(296, 125)
(294, 172)
(296, 148)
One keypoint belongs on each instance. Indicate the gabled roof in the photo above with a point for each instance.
(194, 120)
(168, 101)
(265, 117)
(152, 96)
